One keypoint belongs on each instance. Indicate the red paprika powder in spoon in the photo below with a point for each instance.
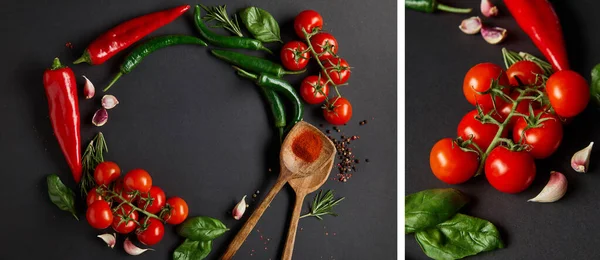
(307, 146)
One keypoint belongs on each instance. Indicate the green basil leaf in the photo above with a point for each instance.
(595, 86)
(261, 24)
(428, 208)
(61, 195)
(192, 250)
(201, 228)
(459, 237)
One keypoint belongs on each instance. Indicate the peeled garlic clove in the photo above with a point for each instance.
(554, 190)
(100, 117)
(109, 101)
(131, 249)
(493, 35)
(581, 159)
(88, 89)
(470, 25)
(488, 9)
(109, 239)
(239, 209)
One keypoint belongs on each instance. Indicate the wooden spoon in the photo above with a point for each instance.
(291, 167)
(302, 187)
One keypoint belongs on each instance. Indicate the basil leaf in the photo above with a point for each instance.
(192, 250)
(595, 86)
(261, 24)
(202, 228)
(60, 195)
(428, 208)
(459, 237)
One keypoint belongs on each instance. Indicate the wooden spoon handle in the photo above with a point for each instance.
(251, 222)
(291, 237)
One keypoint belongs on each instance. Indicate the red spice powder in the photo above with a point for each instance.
(307, 146)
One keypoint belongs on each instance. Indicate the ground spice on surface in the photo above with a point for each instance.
(307, 146)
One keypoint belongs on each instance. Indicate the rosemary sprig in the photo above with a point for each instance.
(92, 156)
(323, 205)
(220, 16)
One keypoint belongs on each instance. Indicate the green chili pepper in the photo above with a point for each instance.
(429, 6)
(277, 109)
(253, 64)
(140, 52)
(278, 85)
(234, 42)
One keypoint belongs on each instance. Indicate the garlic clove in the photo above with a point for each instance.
(88, 89)
(132, 249)
(493, 35)
(581, 159)
(554, 190)
(239, 209)
(109, 239)
(470, 25)
(488, 9)
(100, 117)
(109, 101)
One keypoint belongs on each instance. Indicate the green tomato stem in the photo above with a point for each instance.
(124, 201)
(316, 56)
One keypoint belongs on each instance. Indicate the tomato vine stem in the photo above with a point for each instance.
(124, 201)
(316, 56)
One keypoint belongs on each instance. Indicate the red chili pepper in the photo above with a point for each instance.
(61, 91)
(538, 19)
(126, 34)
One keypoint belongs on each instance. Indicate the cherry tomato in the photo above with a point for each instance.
(157, 197)
(92, 196)
(338, 112)
(325, 45)
(479, 79)
(509, 171)
(106, 172)
(308, 20)
(294, 55)
(124, 192)
(123, 227)
(99, 215)
(522, 107)
(451, 164)
(483, 134)
(526, 71)
(338, 70)
(138, 179)
(314, 90)
(152, 233)
(544, 139)
(178, 211)
(568, 93)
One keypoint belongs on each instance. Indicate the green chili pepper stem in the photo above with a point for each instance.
(245, 74)
(294, 72)
(84, 58)
(113, 81)
(251, 63)
(451, 9)
(56, 64)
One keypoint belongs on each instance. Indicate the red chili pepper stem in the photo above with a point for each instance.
(84, 58)
(56, 64)
(113, 81)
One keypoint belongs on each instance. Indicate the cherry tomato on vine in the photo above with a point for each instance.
(124, 192)
(106, 172)
(526, 71)
(479, 79)
(450, 163)
(509, 171)
(92, 197)
(543, 139)
(522, 107)
(337, 69)
(294, 55)
(137, 179)
(152, 233)
(483, 134)
(338, 111)
(157, 200)
(178, 211)
(308, 20)
(568, 93)
(99, 215)
(123, 227)
(325, 45)
(314, 90)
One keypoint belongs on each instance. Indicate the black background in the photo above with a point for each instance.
(202, 132)
(438, 55)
